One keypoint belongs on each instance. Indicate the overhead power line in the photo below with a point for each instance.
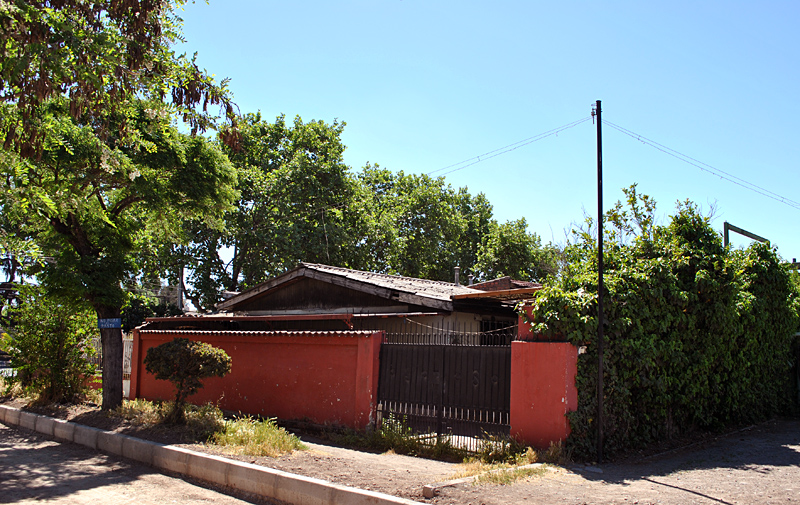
(468, 162)
(503, 150)
(707, 168)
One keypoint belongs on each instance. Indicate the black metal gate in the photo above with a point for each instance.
(446, 390)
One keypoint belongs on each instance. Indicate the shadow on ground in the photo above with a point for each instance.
(775, 443)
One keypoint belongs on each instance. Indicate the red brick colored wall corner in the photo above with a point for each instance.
(542, 391)
(323, 377)
(367, 370)
(524, 330)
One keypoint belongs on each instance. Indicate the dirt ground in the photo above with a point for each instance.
(759, 464)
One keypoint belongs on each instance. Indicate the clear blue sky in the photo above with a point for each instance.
(426, 84)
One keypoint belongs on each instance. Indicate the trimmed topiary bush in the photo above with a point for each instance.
(185, 363)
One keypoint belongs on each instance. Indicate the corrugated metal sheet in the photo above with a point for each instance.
(420, 287)
(277, 333)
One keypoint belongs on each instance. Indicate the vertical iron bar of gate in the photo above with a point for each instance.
(440, 406)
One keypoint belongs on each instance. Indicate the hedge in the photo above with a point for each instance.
(697, 336)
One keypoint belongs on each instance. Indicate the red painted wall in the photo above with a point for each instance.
(324, 377)
(524, 330)
(542, 391)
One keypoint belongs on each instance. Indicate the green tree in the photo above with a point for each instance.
(185, 363)
(509, 249)
(417, 223)
(91, 202)
(297, 202)
(140, 306)
(90, 158)
(478, 223)
(296, 197)
(422, 227)
(48, 343)
(98, 56)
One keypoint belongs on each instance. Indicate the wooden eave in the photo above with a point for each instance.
(502, 294)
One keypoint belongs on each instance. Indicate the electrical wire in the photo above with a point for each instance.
(463, 164)
(706, 167)
(459, 332)
(503, 150)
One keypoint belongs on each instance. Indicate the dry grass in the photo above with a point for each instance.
(507, 473)
(140, 412)
(497, 473)
(473, 467)
(13, 390)
(506, 477)
(245, 436)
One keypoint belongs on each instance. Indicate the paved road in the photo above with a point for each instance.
(758, 465)
(35, 469)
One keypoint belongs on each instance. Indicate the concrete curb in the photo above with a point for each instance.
(245, 477)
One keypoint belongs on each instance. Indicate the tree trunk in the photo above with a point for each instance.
(111, 339)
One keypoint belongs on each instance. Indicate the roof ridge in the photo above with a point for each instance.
(392, 276)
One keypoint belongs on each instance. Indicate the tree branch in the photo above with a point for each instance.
(75, 235)
(123, 204)
(99, 198)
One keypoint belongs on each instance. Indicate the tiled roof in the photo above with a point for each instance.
(504, 283)
(421, 287)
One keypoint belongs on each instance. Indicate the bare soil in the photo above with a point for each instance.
(758, 464)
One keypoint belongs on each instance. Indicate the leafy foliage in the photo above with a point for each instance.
(138, 307)
(298, 201)
(185, 363)
(99, 56)
(509, 249)
(90, 204)
(48, 344)
(697, 335)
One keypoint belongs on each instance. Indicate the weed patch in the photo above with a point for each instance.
(505, 477)
(256, 438)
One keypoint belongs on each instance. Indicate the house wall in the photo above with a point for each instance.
(324, 377)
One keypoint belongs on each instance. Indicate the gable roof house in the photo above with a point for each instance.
(326, 298)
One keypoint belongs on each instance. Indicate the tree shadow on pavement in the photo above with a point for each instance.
(34, 468)
(775, 443)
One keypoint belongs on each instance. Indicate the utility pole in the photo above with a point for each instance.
(596, 110)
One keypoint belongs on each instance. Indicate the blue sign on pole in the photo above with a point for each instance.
(109, 323)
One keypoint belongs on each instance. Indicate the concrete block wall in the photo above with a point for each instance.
(542, 391)
(324, 377)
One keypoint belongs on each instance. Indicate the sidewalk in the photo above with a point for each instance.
(236, 475)
(34, 468)
(759, 464)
